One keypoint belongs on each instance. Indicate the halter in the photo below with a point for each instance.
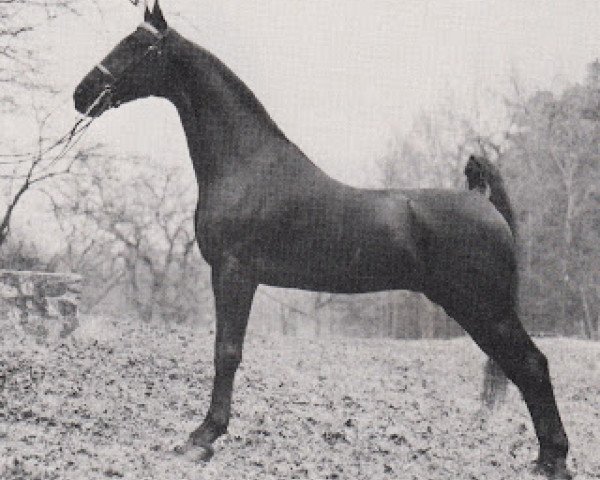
(108, 89)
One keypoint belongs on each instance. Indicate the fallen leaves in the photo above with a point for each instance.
(113, 400)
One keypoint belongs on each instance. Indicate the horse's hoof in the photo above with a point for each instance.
(194, 453)
(555, 470)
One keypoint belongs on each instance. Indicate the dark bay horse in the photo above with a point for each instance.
(267, 215)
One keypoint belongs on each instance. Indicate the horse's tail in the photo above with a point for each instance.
(485, 177)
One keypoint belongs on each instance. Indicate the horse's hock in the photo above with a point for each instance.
(42, 305)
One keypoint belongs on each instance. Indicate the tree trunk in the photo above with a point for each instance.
(566, 257)
(588, 329)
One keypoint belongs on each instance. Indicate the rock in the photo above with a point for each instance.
(42, 305)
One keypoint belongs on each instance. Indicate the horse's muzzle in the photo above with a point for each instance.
(93, 96)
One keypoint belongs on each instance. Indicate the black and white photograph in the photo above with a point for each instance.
(299, 239)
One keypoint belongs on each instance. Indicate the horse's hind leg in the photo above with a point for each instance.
(507, 343)
(233, 299)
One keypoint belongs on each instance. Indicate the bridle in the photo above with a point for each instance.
(72, 137)
(107, 92)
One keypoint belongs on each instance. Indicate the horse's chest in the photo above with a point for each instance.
(229, 222)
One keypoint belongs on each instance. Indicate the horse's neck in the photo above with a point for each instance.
(223, 121)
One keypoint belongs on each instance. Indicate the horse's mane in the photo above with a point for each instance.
(200, 61)
(483, 175)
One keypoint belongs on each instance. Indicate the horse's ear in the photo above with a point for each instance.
(147, 14)
(158, 19)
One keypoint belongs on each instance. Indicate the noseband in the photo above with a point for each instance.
(116, 78)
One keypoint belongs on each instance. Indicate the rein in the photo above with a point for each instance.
(68, 140)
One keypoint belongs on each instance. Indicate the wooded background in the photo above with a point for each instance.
(126, 224)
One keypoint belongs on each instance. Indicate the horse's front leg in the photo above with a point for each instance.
(233, 293)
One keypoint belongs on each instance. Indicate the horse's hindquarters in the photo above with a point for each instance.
(468, 252)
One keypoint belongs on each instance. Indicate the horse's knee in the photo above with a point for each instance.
(228, 357)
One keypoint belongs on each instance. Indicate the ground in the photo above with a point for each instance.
(116, 397)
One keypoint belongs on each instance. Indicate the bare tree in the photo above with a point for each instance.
(434, 151)
(553, 164)
(143, 240)
(19, 62)
(26, 172)
(19, 66)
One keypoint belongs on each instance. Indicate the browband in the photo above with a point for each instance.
(152, 29)
(104, 70)
(148, 27)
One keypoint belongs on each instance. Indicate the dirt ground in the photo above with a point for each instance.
(116, 397)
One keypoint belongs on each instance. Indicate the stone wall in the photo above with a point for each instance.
(42, 305)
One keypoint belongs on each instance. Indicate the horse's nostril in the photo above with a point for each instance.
(78, 101)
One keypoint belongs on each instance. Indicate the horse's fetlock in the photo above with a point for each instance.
(208, 432)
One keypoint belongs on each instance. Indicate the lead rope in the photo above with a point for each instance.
(81, 125)
(68, 140)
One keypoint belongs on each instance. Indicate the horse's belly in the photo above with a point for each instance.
(362, 270)
(342, 284)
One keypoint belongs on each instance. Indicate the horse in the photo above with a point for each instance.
(266, 214)
(484, 177)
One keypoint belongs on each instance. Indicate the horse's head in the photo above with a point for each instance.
(135, 68)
